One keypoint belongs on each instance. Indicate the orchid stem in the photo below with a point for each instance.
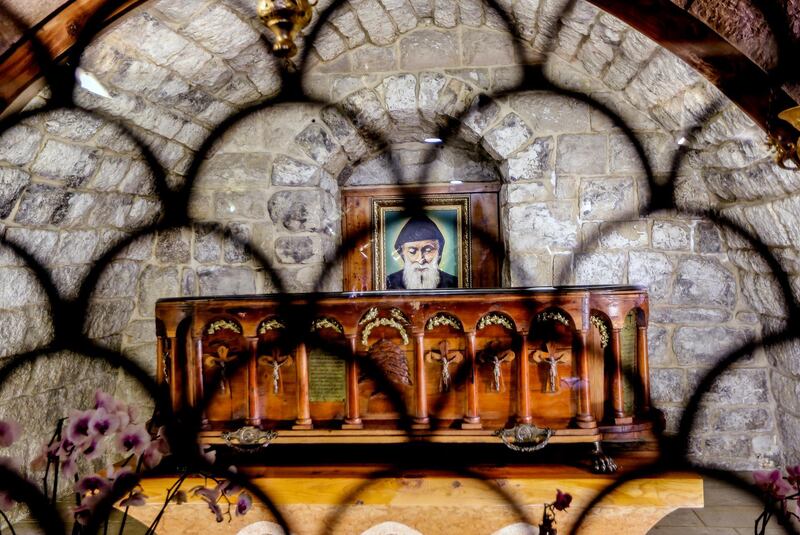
(170, 494)
(130, 493)
(10, 526)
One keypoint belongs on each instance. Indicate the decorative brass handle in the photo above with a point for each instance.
(525, 437)
(249, 438)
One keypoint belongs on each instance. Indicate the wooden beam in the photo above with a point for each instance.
(18, 65)
(733, 73)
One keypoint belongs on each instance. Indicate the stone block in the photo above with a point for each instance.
(402, 14)
(789, 427)
(366, 111)
(155, 283)
(734, 386)
(534, 162)
(667, 385)
(744, 419)
(107, 318)
(547, 113)
(303, 211)
(445, 13)
(140, 332)
(480, 48)
(658, 345)
(704, 282)
(785, 357)
(207, 244)
(368, 58)
(346, 23)
(226, 171)
(118, 279)
(12, 183)
(77, 247)
(454, 99)
(672, 235)
(423, 8)
(424, 49)
(400, 93)
(223, 280)
(236, 244)
(318, 144)
(72, 124)
(19, 144)
(530, 268)
(298, 249)
(378, 170)
(653, 270)
(659, 150)
(476, 77)
(537, 226)
(763, 294)
(600, 268)
(172, 246)
(69, 164)
(241, 204)
(40, 244)
(220, 31)
(481, 114)
(624, 235)
(508, 137)
(525, 193)
(705, 346)
(582, 154)
(707, 238)
(430, 87)
(290, 172)
(13, 325)
(374, 19)
(665, 314)
(111, 173)
(786, 391)
(329, 44)
(607, 198)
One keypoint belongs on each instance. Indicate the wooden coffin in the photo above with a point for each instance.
(444, 366)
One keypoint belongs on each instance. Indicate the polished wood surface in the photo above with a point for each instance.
(435, 501)
(241, 351)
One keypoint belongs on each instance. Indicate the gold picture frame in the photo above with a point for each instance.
(450, 214)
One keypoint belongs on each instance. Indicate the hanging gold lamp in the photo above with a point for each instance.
(285, 19)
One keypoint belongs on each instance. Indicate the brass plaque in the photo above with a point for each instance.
(325, 377)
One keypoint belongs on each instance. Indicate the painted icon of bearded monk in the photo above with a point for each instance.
(420, 245)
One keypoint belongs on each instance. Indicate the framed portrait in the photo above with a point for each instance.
(431, 250)
(458, 234)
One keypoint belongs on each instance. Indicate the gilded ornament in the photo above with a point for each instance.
(385, 322)
(494, 318)
(270, 325)
(598, 322)
(371, 314)
(223, 325)
(553, 316)
(327, 323)
(444, 319)
(397, 314)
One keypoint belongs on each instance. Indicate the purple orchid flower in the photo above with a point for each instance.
(136, 499)
(93, 484)
(793, 476)
(772, 483)
(9, 432)
(78, 430)
(133, 439)
(208, 453)
(69, 467)
(243, 504)
(152, 455)
(94, 449)
(210, 496)
(563, 499)
(103, 423)
(48, 453)
(82, 514)
(180, 497)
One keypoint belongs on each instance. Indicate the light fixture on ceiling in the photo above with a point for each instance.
(285, 19)
(433, 140)
(90, 83)
(787, 152)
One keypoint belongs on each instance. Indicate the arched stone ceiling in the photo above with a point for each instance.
(749, 40)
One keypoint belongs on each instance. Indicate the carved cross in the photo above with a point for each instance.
(276, 361)
(445, 357)
(551, 358)
(494, 354)
(221, 359)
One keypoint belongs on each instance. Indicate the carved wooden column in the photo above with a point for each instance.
(584, 419)
(196, 388)
(303, 405)
(523, 382)
(471, 419)
(171, 374)
(353, 418)
(421, 420)
(643, 364)
(617, 396)
(253, 410)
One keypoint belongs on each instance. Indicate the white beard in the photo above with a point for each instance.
(419, 277)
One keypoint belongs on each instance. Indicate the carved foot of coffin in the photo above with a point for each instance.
(602, 463)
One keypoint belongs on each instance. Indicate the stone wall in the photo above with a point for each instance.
(572, 193)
